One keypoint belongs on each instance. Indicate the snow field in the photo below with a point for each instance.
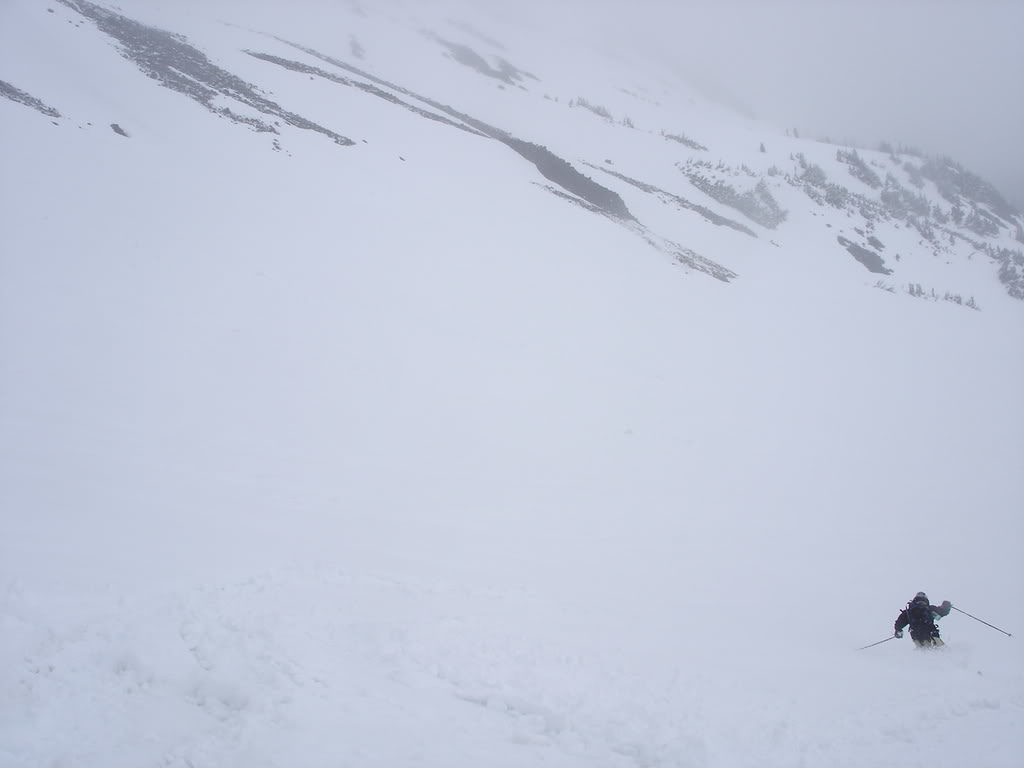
(321, 667)
(518, 489)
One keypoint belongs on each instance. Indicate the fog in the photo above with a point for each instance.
(941, 76)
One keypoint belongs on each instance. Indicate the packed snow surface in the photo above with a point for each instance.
(384, 455)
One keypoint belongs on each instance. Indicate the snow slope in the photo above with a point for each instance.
(383, 454)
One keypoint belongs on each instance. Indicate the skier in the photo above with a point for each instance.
(921, 616)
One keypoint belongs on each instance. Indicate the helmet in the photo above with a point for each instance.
(921, 596)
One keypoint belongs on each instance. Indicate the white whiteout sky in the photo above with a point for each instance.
(944, 76)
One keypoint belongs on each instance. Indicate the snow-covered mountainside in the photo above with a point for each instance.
(408, 384)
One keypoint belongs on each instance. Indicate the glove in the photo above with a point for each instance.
(946, 604)
(899, 634)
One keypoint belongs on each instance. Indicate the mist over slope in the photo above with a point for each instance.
(383, 387)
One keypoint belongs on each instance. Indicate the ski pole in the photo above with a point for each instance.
(997, 629)
(890, 637)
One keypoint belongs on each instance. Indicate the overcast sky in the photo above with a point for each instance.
(944, 76)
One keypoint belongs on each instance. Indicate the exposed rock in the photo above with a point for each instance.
(171, 61)
(868, 258)
(19, 96)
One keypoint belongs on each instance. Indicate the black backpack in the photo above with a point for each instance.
(919, 612)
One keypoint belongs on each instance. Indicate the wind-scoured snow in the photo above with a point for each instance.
(388, 456)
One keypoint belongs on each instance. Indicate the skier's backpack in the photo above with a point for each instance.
(919, 613)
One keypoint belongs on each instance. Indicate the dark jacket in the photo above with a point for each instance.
(921, 616)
